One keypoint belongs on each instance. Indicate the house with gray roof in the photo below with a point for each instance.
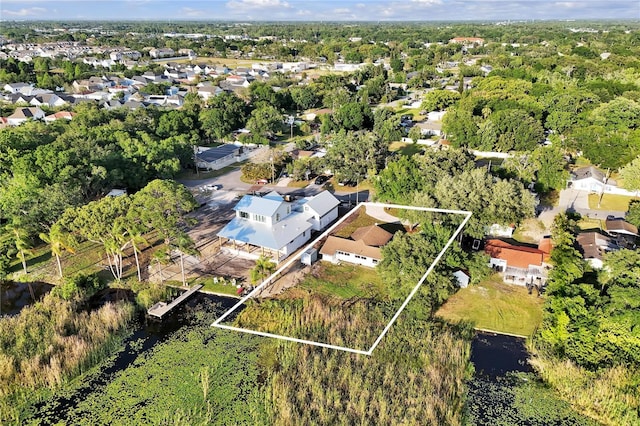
(277, 227)
(592, 179)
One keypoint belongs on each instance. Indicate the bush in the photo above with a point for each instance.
(81, 286)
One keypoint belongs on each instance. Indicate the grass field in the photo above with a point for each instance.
(610, 202)
(405, 148)
(345, 281)
(493, 305)
(586, 223)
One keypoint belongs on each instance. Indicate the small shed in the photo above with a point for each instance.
(463, 278)
(309, 257)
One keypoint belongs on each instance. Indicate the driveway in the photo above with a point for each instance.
(572, 200)
(378, 212)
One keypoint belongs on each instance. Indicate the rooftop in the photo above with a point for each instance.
(516, 256)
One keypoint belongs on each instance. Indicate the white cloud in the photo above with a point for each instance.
(341, 11)
(257, 4)
(567, 4)
(188, 11)
(31, 11)
(427, 2)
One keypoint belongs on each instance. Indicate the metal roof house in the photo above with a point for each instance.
(272, 225)
(218, 157)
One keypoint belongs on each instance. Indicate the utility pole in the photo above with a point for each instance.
(273, 170)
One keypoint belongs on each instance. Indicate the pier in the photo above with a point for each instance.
(161, 308)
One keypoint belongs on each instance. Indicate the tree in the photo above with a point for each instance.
(59, 242)
(265, 120)
(161, 256)
(502, 201)
(353, 116)
(550, 168)
(399, 181)
(386, 123)
(304, 97)
(101, 222)
(438, 100)
(226, 112)
(516, 130)
(185, 245)
(461, 128)
(356, 156)
(163, 205)
(263, 268)
(22, 242)
(630, 175)
(633, 216)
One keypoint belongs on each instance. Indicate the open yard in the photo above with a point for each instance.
(610, 202)
(344, 281)
(493, 305)
(405, 148)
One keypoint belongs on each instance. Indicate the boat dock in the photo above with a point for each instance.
(161, 308)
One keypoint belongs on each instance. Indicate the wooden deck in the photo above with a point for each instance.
(161, 308)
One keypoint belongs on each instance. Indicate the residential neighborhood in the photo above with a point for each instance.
(350, 220)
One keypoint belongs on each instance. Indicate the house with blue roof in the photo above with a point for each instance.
(271, 225)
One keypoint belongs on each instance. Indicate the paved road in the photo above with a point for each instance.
(576, 201)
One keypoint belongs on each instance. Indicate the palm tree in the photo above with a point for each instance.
(161, 257)
(22, 243)
(59, 241)
(264, 267)
(185, 245)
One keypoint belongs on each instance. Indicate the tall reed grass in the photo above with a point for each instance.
(50, 341)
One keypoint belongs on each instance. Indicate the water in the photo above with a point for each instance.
(495, 355)
(15, 295)
(146, 334)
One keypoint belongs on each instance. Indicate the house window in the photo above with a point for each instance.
(259, 218)
(288, 209)
(244, 215)
(304, 233)
(375, 261)
(277, 217)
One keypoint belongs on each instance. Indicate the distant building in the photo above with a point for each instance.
(468, 42)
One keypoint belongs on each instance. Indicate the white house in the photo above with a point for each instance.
(594, 180)
(21, 115)
(363, 248)
(15, 87)
(273, 225)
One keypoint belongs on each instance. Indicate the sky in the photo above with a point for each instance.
(318, 10)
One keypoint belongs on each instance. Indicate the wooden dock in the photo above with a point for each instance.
(161, 308)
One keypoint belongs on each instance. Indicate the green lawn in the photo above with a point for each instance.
(610, 202)
(493, 305)
(345, 281)
(586, 223)
(405, 148)
(213, 287)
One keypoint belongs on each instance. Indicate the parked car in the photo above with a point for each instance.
(321, 179)
(262, 181)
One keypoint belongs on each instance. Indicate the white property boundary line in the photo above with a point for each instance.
(267, 281)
